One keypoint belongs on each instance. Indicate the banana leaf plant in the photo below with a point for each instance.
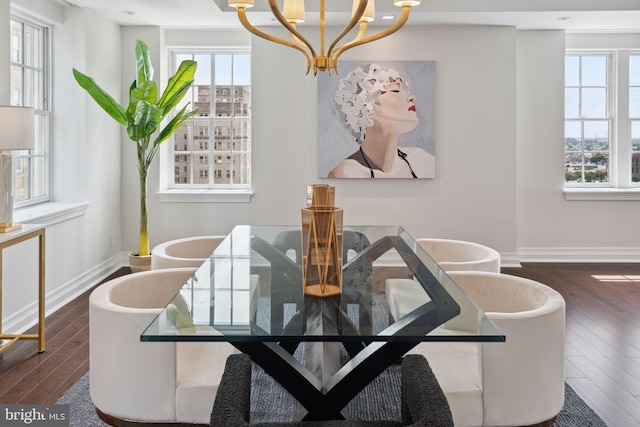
(143, 116)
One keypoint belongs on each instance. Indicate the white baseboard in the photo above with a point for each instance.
(510, 259)
(596, 254)
(393, 259)
(27, 317)
(514, 259)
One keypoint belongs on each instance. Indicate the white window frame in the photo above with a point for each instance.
(171, 192)
(39, 172)
(635, 118)
(620, 185)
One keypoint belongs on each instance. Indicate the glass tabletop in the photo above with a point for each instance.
(251, 289)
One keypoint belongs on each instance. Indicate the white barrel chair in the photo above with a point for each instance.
(451, 255)
(461, 255)
(519, 382)
(192, 252)
(148, 381)
(185, 252)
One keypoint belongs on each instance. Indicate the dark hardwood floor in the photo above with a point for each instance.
(602, 353)
(602, 341)
(29, 377)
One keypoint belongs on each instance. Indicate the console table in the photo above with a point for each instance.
(28, 231)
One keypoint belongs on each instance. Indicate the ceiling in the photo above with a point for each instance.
(573, 15)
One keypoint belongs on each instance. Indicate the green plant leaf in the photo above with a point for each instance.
(131, 110)
(146, 120)
(174, 124)
(143, 63)
(147, 115)
(147, 91)
(104, 100)
(178, 85)
(135, 132)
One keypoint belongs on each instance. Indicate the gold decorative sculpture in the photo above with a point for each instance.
(322, 231)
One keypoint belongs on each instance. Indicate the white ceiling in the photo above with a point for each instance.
(579, 15)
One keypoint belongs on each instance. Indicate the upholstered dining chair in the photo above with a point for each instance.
(185, 252)
(461, 255)
(153, 382)
(519, 382)
(423, 403)
(451, 255)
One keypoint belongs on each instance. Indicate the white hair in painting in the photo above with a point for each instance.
(358, 93)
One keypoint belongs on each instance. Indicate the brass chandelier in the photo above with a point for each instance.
(363, 12)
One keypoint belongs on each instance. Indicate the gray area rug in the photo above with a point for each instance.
(379, 400)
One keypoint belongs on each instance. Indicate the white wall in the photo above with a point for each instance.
(473, 195)
(499, 132)
(550, 228)
(82, 247)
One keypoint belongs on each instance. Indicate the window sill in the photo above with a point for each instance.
(49, 213)
(602, 194)
(205, 196)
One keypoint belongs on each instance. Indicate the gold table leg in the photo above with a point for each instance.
(40, 336)
(41, 292)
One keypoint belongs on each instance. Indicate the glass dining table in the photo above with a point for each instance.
(322, 350)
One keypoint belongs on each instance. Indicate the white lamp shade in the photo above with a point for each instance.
(411, 3)
(17, 128)
(241, 3)
(369, 12)
(293, 11)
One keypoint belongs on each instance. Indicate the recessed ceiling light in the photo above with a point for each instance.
(388, 17)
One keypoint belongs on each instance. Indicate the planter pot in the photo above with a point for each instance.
(139, 263)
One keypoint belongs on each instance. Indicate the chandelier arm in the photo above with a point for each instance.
(334, 61)
(242, 16)
(395, 27)
(352, 23)
(296, 40)
(361, 31)
(280, 17)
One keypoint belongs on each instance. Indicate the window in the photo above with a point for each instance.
(602, 119)
(30, 87)
(219, 120)
(634, 114)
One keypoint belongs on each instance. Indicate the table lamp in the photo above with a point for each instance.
(16, 133)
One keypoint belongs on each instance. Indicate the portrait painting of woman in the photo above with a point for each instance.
(376, 120)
